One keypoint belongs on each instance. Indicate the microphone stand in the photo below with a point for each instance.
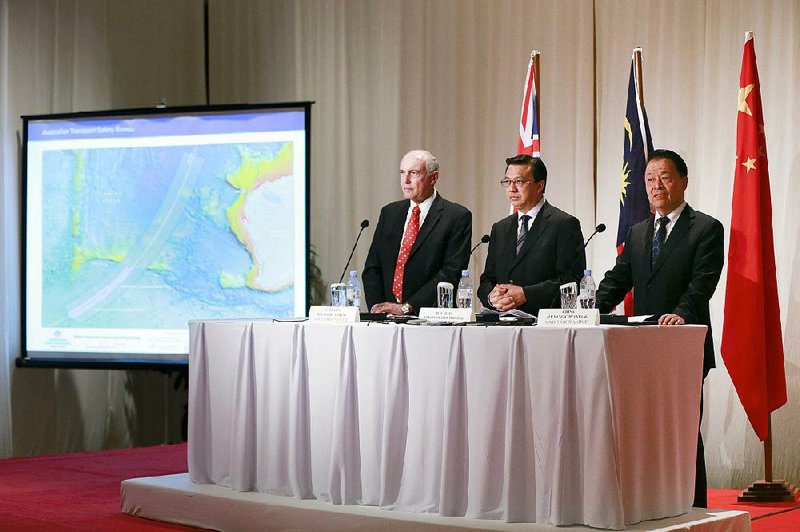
(599, 229)
(364, 225)
(484, 240)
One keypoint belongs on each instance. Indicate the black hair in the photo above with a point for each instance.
(677, 160)
(538, 169)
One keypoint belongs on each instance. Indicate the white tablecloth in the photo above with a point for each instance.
(594, 426)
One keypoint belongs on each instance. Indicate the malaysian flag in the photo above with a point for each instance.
(528, 143)
(633, 203)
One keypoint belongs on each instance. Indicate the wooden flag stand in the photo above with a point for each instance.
(769, 490)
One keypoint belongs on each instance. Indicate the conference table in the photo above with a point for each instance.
(587, 425)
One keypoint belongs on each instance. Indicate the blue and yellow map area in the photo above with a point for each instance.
(151, 237)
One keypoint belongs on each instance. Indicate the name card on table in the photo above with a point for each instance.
(322, 314)
(568, 317)
(449, 315)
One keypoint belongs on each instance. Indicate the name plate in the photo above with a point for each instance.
(568, 317)
(323, 314)
(449, 315)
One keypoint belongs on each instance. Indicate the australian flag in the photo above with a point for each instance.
(633, 203)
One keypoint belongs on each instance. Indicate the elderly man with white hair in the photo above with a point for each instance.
(419, 241)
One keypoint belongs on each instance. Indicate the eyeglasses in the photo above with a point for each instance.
(517, 182)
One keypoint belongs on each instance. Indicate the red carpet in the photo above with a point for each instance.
(765, 516)
(81, 492)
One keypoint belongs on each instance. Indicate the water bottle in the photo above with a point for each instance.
(354, 290)
(586, 295)
(464, 293)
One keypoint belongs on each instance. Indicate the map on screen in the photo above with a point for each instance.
(136, 234)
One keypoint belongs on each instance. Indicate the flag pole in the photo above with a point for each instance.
(768, 451)
(638, 80)
(637, 61)
(769, 490)
(535, 58)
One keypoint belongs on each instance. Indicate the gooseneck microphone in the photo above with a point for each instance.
(364, 225)
(599, 229)
(484, 240)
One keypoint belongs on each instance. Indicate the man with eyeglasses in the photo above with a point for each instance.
(535, 250)
(419, 242)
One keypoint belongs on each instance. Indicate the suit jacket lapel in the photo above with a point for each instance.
(649, 234)
(678, 232)
(431, 220)
(508, 249)
(537, 227)
(395, 224)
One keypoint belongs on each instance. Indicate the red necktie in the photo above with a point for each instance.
(405, 249)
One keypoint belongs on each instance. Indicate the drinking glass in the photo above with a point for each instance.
(338, 295)
(569, 295)
(444, 291)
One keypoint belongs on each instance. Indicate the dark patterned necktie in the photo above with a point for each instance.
(658, 241)
(523, 231)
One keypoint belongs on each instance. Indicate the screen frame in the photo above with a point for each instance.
(126, 361)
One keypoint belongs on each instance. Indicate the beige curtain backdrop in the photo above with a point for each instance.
(390, 76)
(62, 56)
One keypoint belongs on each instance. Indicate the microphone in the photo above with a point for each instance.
(484, 240)
(599, 229)
(364, 225)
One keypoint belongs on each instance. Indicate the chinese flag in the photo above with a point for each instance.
(752, 347)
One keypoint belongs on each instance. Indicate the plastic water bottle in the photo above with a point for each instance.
(586, 295)
(353, 290)
(464, 293)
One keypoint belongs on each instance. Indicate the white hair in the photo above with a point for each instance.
(431, 162)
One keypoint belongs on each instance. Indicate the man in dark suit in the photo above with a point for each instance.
(534, 251)
(419, 242)
(673, 262)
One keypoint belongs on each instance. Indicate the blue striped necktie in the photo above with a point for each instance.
(523, 231)
(658, 241)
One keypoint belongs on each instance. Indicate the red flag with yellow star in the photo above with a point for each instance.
(752, 347)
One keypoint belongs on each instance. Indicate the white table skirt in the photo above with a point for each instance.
(594, 426)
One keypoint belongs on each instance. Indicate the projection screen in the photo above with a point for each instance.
(137, 221)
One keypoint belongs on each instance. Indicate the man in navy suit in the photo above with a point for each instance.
(534, 251)
(673, 262)
(419, 242)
